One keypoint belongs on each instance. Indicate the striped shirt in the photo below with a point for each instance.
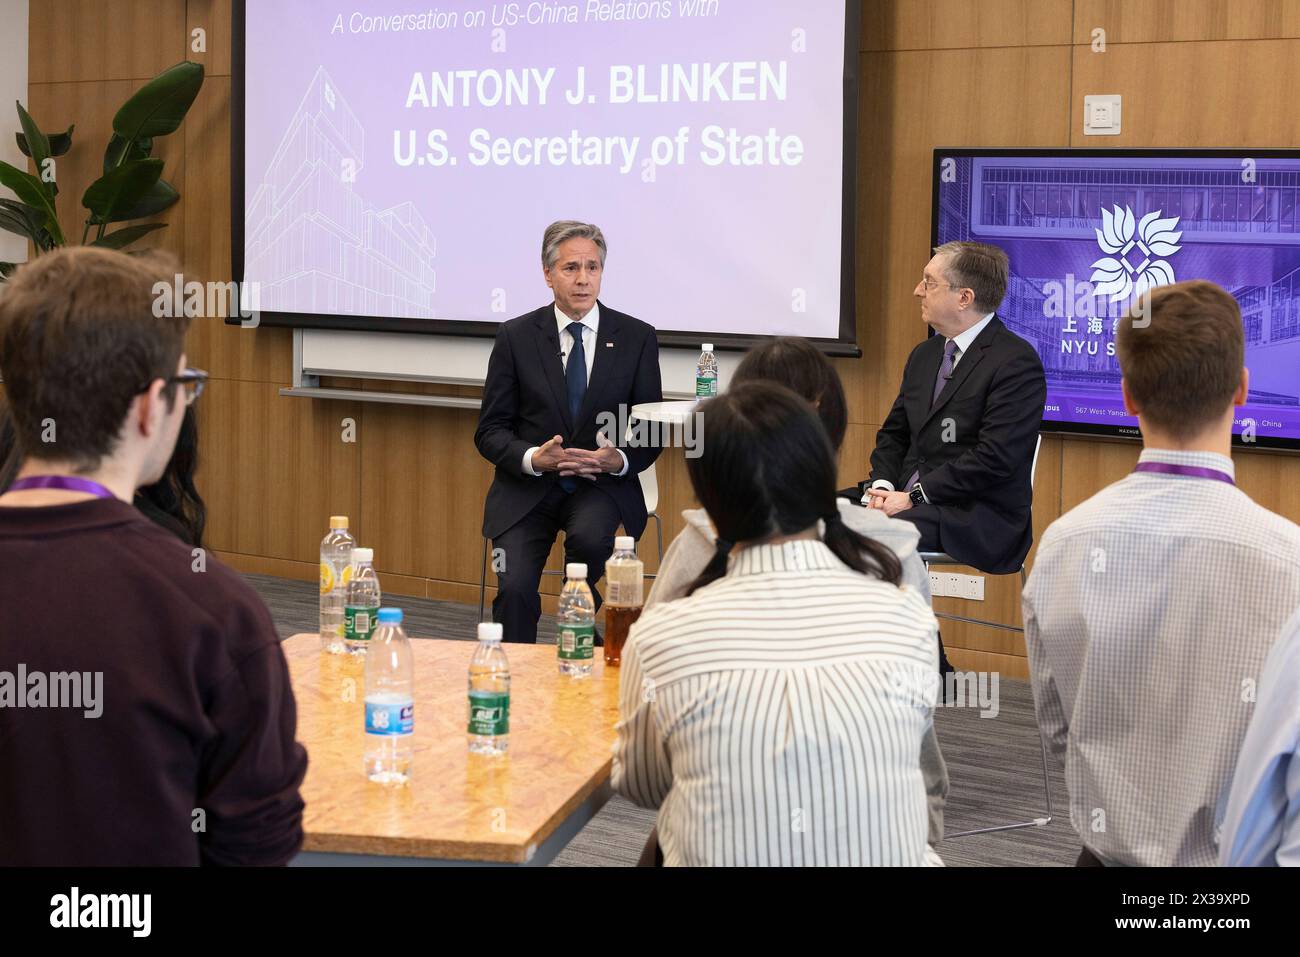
(1148, 616)
(775, 717)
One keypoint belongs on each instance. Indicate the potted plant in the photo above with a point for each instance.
(131, 186)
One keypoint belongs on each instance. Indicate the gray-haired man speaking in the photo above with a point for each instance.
(552, 374)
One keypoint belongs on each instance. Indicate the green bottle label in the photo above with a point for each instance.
(576, 642)
(489, 713)
(359, 622)
(705, 387)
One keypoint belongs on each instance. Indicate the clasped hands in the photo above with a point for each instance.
(587, 463)
(891, 503)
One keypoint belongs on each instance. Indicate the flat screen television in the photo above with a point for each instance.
(1088, 230)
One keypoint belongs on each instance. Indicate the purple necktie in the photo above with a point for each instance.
(941, 380)
(945, 370)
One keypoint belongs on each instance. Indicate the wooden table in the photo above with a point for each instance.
(459, 808)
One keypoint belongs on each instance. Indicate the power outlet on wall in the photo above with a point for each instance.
(952, 585)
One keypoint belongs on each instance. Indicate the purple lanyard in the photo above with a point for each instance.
(1190, 471)
(68, 483)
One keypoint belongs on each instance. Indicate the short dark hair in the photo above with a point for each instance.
(1181, 351)
(79, 340)
(979, 267)
(766, 468)
(800, 366)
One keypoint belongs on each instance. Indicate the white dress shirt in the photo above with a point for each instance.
(963, 341)
(1261, 826)
(1148, 617)
(776, 716)
(590, 327)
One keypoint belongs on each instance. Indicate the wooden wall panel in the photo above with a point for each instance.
(1149, 21)
(213, 16)
(1240, 91)
(96, 40)
(948, 24)
(274, 469)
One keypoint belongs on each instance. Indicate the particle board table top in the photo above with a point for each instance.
(458, 806)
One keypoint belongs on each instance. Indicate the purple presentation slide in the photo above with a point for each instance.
(402, 160)
(1087, 234)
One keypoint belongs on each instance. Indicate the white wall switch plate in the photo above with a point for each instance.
(1101, 115)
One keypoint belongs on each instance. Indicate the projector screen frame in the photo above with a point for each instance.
(1093, 430)
(844, 345)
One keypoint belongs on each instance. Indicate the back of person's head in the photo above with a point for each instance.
(980, 267)
(766, 468)
(1181, 353)
(800, 366)
(79, 342)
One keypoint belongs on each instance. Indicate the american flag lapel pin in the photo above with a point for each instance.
(609, 345)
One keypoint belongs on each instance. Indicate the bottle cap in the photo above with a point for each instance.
(489, 631)
(363, 554)
(338, 521)
(390, 616)
(624, 543)
(707, 347)
(575, 570)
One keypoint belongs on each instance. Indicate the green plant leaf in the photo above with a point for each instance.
(120, 189)
(158, 107)
(39, 144)
(60, 143)
(118, 152)
(26, 221)
(160, 195)
(30, 191)
(127, 235)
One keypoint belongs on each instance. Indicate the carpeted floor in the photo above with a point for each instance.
(994, 768)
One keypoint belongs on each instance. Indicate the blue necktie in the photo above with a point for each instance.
(575, 375)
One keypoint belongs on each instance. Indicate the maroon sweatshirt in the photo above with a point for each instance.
(146, 716)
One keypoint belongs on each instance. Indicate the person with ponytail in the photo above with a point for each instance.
(775, 714)
(801, 366)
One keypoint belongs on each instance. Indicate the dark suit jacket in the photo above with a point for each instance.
(974, 448)
(525, 403)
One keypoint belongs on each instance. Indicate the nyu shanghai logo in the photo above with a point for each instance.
(1134, 265)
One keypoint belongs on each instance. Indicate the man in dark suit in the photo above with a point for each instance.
(555, 379)
(955, 453)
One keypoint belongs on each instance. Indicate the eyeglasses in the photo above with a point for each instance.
(932, 283)
(191, 380)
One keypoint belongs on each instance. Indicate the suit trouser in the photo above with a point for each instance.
(589, 518)
(926, 519)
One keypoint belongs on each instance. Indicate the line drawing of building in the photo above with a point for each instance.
(313, 244)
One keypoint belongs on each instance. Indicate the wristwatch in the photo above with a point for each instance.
(916, 495)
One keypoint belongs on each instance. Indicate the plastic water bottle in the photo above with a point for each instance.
(706, 373)
(390, 702)
(625, 596)
(335, 573)
(489, 693)
(575, 639)
(362, 604)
